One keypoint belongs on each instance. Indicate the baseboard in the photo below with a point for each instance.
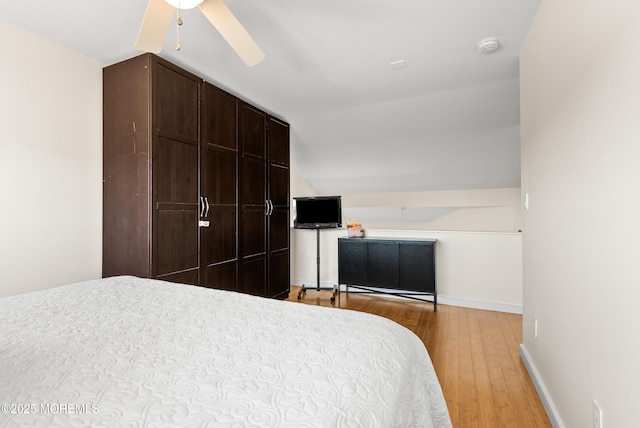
(481, 304)
(452, 301)
(552, 413)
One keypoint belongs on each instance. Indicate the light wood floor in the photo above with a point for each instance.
(475, 354)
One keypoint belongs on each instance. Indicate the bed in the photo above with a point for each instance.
(133, 352)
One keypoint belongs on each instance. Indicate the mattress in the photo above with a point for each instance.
(134, 352)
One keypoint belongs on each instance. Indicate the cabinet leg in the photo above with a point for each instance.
(336, 291)
(301, 292)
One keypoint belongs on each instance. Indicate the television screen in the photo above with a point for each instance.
(318, 212)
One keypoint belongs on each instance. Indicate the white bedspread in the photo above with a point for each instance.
(133, 352)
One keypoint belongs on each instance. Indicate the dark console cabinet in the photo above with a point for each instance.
(401, 267)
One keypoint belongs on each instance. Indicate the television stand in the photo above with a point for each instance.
(335, 288)
(403, 267)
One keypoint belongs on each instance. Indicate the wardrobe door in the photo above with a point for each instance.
(253, 205)
(174, 248)
(278, 268)
(219, 182)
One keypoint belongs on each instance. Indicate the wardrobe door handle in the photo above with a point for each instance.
(201, 206)
(271, 203)
(206, 202)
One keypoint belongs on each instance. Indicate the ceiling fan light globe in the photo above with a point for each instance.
(184, 4)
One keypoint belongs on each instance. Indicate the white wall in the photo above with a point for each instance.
(473, 269)
(480, 210)
(299, 186)
(50, 164)
(580, 95)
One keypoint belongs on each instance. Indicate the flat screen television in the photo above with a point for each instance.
(318, 212)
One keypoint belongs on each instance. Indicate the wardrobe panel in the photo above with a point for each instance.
(253, 233)
(252, 185)
(279, 186)
(177, 96)
(223, 277)
(253, 131)
(219, 118)
(220, 177)
(219, 238)
(253, 278)
(278, 142)
(279, 230)
(176, 241)
(126, 168)
(175, 170)
(278, 284)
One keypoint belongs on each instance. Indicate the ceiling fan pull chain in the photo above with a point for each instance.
(179, 22)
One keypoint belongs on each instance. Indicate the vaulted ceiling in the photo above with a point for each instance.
(448, 119)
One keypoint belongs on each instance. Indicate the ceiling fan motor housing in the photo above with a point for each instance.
(184, 4)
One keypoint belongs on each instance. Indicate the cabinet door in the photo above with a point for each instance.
(219, 180)
(253, 207)
(383, 264)
(175, 251)
(352, 262)
(417, 267)
(278, 283)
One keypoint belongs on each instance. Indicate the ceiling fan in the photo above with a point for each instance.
(159, 16)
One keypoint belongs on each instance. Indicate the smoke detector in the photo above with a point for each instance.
(488, 45)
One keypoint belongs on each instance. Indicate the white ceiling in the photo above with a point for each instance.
(449, 120)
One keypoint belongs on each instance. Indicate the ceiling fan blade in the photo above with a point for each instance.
(233, 32)
(155, 25)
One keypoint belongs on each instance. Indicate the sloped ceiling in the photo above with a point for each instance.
(448, 120)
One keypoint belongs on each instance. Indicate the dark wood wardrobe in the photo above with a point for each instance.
(196, 182)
